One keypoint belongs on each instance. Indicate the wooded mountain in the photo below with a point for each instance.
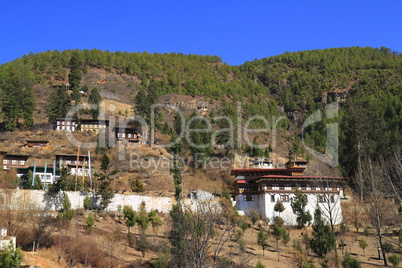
(367, 82)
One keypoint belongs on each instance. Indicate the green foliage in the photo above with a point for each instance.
(58, 103)
(262, 239)
(298, 204)
(279, 207)
(225, 194)
(27, 182)
(74, 77)
(61, 183)
(349, 262)
(105, 162)
(366, 232)
(277, 232)
(177, 179)
(243, 226)
(394, 260)
(259, 265)
(130, 216)
(278, 221)
(162, 261)
(90, 220)
(199, 138)
(87, 202)
(142, 219)
(105, 190)
(18, 99)
(66, 213)
(254, 216)
(363, 245)
(323, 240)
(137, 186)
(10, 257)
(387, 247)
(154, 220)
(95, 99)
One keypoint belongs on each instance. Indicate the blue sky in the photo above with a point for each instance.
(237, 31)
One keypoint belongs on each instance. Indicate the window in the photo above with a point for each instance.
(273, 198)
(288, 187)
(275, 186)
(285, 198)
(250, 198)
(14, 162)
(332, 198)
(308, 187)
(321, 199)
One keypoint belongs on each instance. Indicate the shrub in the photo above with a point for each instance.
(87, 203)
(394, 259)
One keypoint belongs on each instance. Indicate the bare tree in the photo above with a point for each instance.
(198, 235)
(329, 200)
(377, 194)
(353, 213)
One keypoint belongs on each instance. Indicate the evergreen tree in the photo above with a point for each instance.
(76, 65)
(177, 179)
(61, 183)
(262, 238)
(58, 103)
(323, 239)
(18, 101)
(87, 202)
(137, 186)
(95, 99)
(298, 204)
(154, 220)
(279, 207)
(105, 190)
(10, 257)
(142, 105)
(130, 217)
(278, 232)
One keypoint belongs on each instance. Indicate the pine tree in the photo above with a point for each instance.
(323, 239)
(76, 64)
(95, 99)
(177, 179)
(58, 103)
(137, 186)
(262, 238)
(105, 190)
(142, 105)
(10, 257)
(279, 207)
(298, 204)
(18, 101)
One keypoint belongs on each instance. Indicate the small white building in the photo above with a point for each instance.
(260, 188)
(5, 240)
(67, 124)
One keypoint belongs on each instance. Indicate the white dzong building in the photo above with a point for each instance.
(259, 189)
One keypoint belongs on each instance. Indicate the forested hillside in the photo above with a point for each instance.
(367, 82)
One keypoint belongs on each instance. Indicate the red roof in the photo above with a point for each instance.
(237, 170)
(299, 177)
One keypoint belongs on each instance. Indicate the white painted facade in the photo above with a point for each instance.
(264, 204)
(260, 187)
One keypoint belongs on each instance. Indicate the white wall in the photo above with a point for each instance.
(39, 200)
(265, 207)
